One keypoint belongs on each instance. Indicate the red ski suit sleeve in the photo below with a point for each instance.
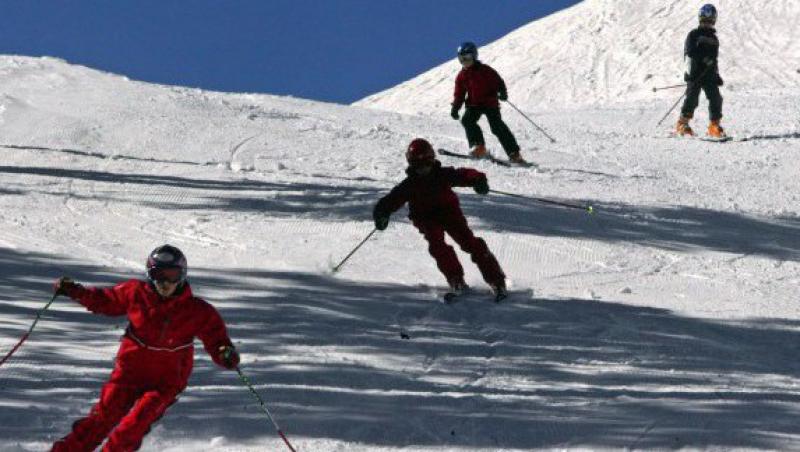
(110, 301)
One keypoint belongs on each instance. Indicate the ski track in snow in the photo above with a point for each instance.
(665, 320)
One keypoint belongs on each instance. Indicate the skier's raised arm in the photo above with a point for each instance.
(107, 301)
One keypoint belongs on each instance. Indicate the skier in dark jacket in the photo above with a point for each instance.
(156, 352)
(481, 87)
(434, 209)
(702, 73)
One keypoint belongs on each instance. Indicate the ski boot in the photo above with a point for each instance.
(715, 130)
(457, 288)
(500, 292)
(479, 151)
(516, 159)
(682, 128)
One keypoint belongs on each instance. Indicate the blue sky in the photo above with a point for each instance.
(331, 50)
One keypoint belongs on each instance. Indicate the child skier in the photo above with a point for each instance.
(702, 72)
(434, 209)
(156, 352)
(482, 86)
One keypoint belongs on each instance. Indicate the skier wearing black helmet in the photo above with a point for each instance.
(702, 73)
(480, 87)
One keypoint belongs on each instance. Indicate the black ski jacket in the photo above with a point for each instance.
(700, 53)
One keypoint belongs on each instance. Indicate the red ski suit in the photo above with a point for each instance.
(434, 209)
(480, 84)
(153, 363)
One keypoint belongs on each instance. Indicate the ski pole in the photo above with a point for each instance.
(336, 268)
(25, 336)
(587, 208)
(672, 108)
(660, 88)
(264, 407)
(552, 140)
(702, 74)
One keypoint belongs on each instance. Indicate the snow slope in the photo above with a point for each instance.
(667, 320)
(601, 51)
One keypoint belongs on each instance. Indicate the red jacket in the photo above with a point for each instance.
(480, 84)
(429, 196)
(160, 330)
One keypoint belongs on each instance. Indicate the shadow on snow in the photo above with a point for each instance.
(327, 355)
(680, 228)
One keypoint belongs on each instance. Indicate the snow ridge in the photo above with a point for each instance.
(602, 51)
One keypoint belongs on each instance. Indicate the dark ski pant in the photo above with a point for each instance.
(693, 98)
(455, 225)
(496, 124)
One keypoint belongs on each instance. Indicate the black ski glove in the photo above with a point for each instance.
(503, 96)
(454, 112)
(381, 223)
(228, 356)
(481, 187)
(720, 82)
(64, 285)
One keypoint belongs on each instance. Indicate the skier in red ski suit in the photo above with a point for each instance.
(156, 352)
(434, 209)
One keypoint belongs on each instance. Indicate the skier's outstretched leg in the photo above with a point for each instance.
(502, 132)
(456, 226)
(444, 254)
(88, 433)
(136, 424)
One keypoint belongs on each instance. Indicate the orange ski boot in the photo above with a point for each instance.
(682, 128)
(479, 151)
(715, 130)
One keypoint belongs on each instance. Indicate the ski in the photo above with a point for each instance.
(488, 158)
(716, 140)
(708, 139)
(450, 297)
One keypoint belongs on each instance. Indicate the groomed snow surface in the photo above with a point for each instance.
(667, 320)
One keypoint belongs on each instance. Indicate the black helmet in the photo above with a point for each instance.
(467, 49)
(708, 13)
(166, 263)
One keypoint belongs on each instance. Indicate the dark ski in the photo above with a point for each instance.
(488, 158)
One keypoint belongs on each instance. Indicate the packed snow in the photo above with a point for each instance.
(668, 319)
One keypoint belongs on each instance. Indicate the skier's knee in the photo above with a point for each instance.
(475, 247)
(438, 249)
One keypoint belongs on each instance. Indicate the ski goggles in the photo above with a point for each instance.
(169, 274)
(467, 57)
